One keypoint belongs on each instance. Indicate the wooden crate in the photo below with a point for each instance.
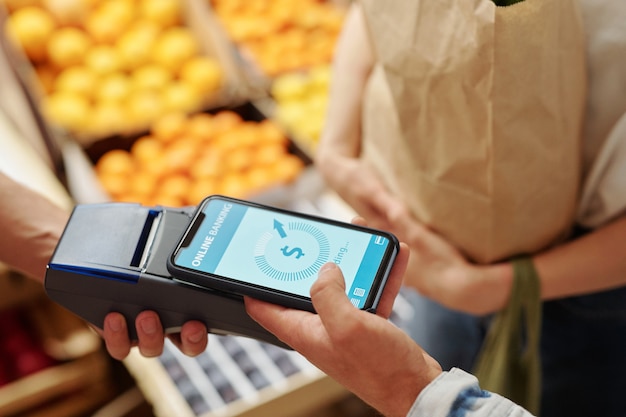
(80, 380)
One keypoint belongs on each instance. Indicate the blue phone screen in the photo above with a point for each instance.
(280, 251)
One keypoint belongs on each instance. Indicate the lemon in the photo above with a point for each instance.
(68, 46)
(203, 73)
(103, 59)
(165, 13)
(106, 118)
(133, 47)
(144, 107)
(69, 12)
(173, 47)
(114, 87)
(104, 27)
(181, 96)
(77, 79)
(151, 77)
(66, 109)
(31, 27)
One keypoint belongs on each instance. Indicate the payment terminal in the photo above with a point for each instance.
(112, 257)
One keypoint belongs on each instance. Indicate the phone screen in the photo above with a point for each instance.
(279, 250)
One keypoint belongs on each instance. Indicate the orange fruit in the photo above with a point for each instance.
(115, 162)
(288, 168)
(259, 178)
(142, 184)
(169, 126)
(114, 184)
(226, 120)
(240, 159)
(208, 165)
(268, 154)
(247, 134)
(200, 189)
(146, 150)
(234, 185)
(201, 126)
(178, 159)
(227, 142)
(270, 132)
(174, 186)
(155, 167)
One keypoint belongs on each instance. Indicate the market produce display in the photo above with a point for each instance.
(113, 66)
(186, 158)
(301, 103)
(282, 35)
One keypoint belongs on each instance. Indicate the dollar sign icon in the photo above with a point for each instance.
(288, 252)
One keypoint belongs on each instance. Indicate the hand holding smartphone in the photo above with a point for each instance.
(274, 254)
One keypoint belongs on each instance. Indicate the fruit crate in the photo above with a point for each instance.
(59, 365)
(275, 37)
(298, 102)
(90, 93)
(233, 151)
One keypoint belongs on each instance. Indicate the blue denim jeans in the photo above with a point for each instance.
(583, 349)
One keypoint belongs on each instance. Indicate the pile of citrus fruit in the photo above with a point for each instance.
(185, 158)
(113, 66)
(282, 35)
(302, 103)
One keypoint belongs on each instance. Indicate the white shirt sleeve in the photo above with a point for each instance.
(457, 394)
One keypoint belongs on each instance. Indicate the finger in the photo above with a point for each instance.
(394, 282)
(194, 338)
(359, 221)
(115, 334)
(328, 295)
(149, 334)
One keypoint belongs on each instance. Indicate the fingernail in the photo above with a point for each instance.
(116, 323)
(196, 337)
(148, 325)
(328, 267)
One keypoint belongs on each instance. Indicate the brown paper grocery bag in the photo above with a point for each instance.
(473, 114)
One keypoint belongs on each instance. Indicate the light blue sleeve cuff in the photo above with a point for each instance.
(457, 394)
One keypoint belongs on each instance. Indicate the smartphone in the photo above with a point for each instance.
(275, 255)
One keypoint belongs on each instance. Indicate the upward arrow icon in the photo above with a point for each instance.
(279, 228)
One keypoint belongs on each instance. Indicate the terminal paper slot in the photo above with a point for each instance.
(146, 238)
